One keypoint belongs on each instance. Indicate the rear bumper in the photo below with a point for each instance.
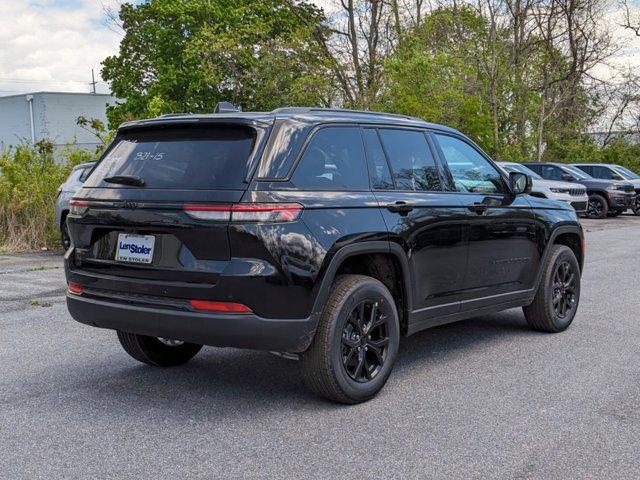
(220, 330)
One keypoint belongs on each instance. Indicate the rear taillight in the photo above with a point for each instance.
(75, 289)
(246, 212)
(78, 207)
(220, 307)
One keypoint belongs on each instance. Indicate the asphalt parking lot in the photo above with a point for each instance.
(485, 398)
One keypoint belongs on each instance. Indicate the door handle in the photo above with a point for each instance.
(479, 208)
(400, 207)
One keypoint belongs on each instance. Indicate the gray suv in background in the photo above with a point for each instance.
(74, 181)
(610, 171)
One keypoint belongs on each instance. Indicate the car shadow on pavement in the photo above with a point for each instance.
(224, 381)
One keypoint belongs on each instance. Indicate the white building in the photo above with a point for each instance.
(51, 116)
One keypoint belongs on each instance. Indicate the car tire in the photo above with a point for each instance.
(156, 351)
(65, 238)
(597, 207)
(636, 206)
(559, 287)
(356, 341)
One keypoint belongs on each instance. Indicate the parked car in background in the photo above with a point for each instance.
(606, 197)
(610, 171)
(74, 181)
(571, 193)
(324, 235)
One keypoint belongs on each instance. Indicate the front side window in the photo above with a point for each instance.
(333, 160)
(471, 172)
(412, 163)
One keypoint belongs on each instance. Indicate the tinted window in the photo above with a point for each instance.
(378, 166)
(413, 165)
(602, 172)
(471, 172)
(585, 168)
(551, 172)
(180, 158)
(85, 173)
(333, 160)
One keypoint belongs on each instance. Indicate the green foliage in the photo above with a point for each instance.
(31, 175)
(186, 55)
(433, 75)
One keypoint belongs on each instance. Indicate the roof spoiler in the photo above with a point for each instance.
(226, 107)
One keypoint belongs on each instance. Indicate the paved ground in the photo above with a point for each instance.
(485, 398)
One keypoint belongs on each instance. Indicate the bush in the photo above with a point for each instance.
(29, 179)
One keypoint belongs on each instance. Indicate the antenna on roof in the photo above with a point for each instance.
(226, 107)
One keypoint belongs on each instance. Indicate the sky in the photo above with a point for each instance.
(52, 45)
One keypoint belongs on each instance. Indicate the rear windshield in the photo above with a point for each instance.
(179, 158)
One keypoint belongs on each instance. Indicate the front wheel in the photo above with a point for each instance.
(636, 206)
(597, 206)
(356, 342)
(157, 351)
(558, 295)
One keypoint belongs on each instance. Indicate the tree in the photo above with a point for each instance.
(186, 55)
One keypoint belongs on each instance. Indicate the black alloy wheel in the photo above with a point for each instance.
(564, 290)
(365, 342)
(64, 236)
(597, 207)
(356, 343)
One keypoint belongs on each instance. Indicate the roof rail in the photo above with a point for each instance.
(169, 115)
(340, 110)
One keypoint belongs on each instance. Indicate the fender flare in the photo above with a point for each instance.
(357, 249)
(575, 229)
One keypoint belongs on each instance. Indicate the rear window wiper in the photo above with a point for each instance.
(126, 180)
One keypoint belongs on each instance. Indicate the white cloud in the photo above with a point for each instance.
(62, 40)
(53, 44)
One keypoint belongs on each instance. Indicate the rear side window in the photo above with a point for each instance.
(413, 165)
(85, 173)
(602, 172)
(333, 160)
(179, 158)
(551, 172)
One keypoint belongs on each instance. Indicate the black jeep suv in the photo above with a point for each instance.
(325, 235)
(606, 197)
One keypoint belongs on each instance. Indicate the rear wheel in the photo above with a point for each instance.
(597, 206)
(64, 235)
(157, 351)
(558, 295)
(356, 343)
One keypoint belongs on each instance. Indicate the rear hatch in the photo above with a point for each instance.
(129, 219)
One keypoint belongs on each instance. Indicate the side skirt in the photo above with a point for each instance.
(417, 324)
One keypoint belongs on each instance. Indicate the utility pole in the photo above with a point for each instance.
(93, 81)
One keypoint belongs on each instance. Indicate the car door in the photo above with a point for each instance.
(423, 219)
(503, 257)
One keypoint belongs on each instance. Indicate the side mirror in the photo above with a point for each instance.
(520, 183)
(615, 176)
(567, 178)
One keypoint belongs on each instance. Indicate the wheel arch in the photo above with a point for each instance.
(370, 258)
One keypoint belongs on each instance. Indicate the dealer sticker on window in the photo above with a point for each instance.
(135, 248)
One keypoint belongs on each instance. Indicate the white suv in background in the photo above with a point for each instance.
(576, 195)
